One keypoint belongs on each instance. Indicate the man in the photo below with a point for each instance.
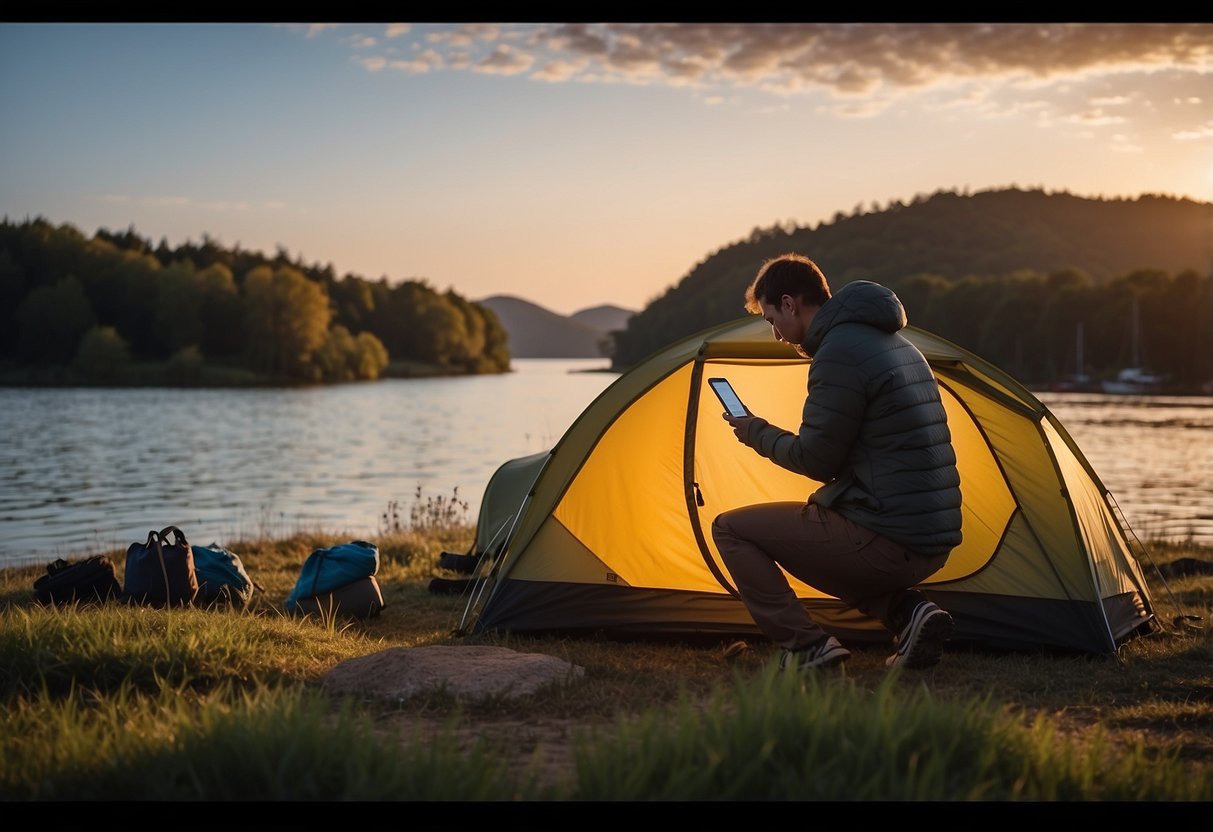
(874, 432)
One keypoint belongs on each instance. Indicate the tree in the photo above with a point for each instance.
(1067, 324)
(441, 335)
(496, 357)
(177, 312)
(12, 290)
(102, 357)
(123, 288)
(370, 356)
(51, 321)
(1185, 347)
(128, 240)
(344, 357)
(1009, 330)
(185, 365)
(916, 292)
(219, 312)
(287, 318)
(353, 303)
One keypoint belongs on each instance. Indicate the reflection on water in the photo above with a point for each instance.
(84, 470)
(1153, 453)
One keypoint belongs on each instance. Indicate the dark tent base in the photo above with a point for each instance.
(1013, 623)
(993, 622)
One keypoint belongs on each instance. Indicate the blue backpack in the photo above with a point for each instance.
(326, 570)
(222, 579)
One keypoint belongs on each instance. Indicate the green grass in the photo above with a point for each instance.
(131, 703)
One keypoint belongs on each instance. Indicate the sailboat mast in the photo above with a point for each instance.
(1078, 359)
(1135, 342)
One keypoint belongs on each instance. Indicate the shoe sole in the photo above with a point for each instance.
(833, 660)
(926, 648)
(834, 657)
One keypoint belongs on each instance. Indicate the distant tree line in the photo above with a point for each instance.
(1024, 279)
(113, 309)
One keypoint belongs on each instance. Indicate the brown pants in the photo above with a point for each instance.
(824, 550)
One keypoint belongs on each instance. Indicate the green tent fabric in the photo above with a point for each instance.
(609, 531)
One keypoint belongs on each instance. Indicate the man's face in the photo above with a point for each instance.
(785, 320)
(789, 320)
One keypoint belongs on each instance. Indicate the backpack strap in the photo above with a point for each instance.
(155, 537)
(178, 535)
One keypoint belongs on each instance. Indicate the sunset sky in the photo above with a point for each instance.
(575, 164)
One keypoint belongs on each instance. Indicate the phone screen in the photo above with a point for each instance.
(728, 396)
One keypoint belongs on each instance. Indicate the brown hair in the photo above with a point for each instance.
(788, 274)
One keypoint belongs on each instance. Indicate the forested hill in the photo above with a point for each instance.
(1008, 274)
(113, 309)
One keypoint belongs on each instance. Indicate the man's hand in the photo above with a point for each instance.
(740, 425)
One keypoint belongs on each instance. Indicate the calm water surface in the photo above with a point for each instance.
(86, 470)
(1154, 453)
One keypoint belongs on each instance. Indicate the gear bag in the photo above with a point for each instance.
(89, 581)
(339, 579)
(222, 578)
(160, 573)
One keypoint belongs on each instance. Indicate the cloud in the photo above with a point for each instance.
(314, 29)
(164, 201)
(1122, 144)
(420, 63)
(1095, 118)
(505, 60)
(225, 206)
(1205, 131)
(557, 71)
(466, 34)
(847, 60)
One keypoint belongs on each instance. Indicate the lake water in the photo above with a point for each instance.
(91, 470)
(1154, 454)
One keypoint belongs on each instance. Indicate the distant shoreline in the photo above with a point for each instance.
(153, 375)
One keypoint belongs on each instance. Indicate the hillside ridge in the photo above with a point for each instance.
(537, 332)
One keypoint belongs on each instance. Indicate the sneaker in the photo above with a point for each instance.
(825, 653)
(921, 642)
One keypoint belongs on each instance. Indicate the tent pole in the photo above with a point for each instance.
(1047, 415)
(483, 579)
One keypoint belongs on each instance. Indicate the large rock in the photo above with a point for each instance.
(465, 671)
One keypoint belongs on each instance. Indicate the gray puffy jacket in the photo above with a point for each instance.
(874, 430)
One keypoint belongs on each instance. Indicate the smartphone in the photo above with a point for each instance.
(728, 397)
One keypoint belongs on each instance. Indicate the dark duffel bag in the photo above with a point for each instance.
(93, 580)
(160, 573)
(358, 599)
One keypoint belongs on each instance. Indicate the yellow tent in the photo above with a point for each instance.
(610, 530)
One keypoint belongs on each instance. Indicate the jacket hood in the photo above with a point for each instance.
(859, 302)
